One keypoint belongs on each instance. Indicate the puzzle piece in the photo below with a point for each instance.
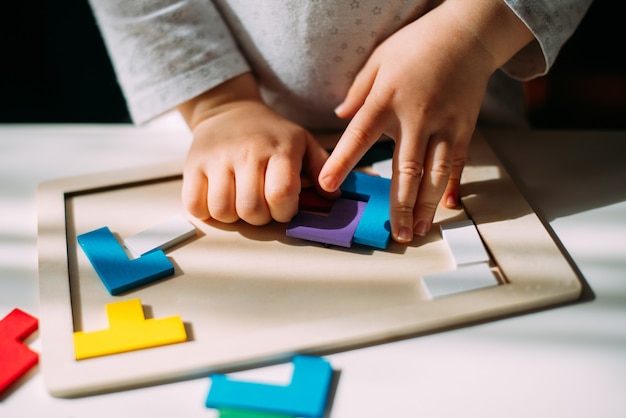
(463, 279)
(162, 236)
(464, 242)
(117, 272)
(128, 330)
(305, 396)
(373, 229)
(240, 413)
(15, 358)
(336, 228)
(311, 200)
(383, 168)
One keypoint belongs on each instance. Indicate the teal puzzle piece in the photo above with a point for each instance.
(239, 413)
(305, 396)
(117, 272)
(374, 228)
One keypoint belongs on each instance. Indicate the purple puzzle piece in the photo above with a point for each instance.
(336, 228)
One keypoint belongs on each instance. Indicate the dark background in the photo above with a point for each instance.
(55, 69)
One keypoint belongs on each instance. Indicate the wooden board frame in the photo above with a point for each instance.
(534, 272)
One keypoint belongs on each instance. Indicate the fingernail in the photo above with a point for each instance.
(422, 228)
(452, 201)
(405, 234)
(329, 183)
(339, 109)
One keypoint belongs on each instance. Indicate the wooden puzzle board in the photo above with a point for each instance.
(250, 295)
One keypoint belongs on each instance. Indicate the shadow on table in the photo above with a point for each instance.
(564, 172)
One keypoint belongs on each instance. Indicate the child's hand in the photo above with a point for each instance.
(245, 160)
(423, 87)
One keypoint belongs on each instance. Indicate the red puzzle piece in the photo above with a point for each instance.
(310, 200)
(15, 358)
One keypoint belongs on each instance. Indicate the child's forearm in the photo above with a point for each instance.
(494, 26)
(238, 89)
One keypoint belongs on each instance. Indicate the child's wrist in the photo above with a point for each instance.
(493, 25)
(240, 89)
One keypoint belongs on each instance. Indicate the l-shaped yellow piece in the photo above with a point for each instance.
(128, 330)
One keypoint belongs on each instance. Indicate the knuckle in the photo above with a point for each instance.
(458, 163)
(426, 209)
(457, 169)
(196, 206)
(223, 213)
(280, 194)
(403, 209)
(428, 206)
(284, 213)
(404, 203)
(440, 171)
(359, 136)
(253, 213)
(411, 170)
(381, 98)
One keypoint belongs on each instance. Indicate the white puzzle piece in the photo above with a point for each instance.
(463, 279)
(464, 242)
(162, 236)
(383, 168)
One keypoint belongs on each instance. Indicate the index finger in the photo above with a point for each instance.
(362, 132)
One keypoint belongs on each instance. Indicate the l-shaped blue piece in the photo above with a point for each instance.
(374, 228)
(117, 272)
(305, 396)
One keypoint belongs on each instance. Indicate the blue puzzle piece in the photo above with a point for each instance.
(336, 228)
(240, 413)
(374, 228)
(305, 396)
(117, 272)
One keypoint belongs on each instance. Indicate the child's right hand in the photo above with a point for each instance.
(423, 86)
(245, 161)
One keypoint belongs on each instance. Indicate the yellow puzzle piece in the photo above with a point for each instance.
(128, 330)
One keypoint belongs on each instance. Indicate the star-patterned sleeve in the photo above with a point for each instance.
(552, 22)
(166, 51)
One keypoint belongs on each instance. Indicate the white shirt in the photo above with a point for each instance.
(304, 53)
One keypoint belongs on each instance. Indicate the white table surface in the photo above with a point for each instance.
(563, 362)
